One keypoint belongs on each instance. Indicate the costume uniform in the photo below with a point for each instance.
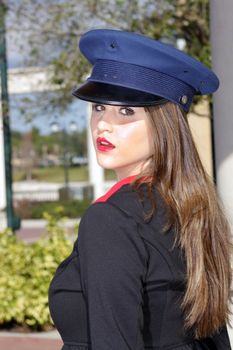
(122, 286)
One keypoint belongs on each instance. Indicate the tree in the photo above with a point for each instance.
(53, 28)
(31, 146)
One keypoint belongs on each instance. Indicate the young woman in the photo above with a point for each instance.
(151, 266)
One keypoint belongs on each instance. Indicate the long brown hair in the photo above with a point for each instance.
(202, 229)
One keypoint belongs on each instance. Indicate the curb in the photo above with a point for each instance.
(42, 335)
(20, 343)
(30, 341)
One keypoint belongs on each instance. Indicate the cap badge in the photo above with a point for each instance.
(183, 99)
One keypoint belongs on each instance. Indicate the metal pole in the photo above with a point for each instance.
(12, 221)
(3, 224)
(65, 154)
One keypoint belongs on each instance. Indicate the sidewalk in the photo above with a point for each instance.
(31, 230)
(30, 341)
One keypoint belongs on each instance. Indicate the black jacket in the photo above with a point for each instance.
(122, 286)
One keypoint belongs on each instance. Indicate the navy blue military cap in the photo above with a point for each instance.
(134, 70)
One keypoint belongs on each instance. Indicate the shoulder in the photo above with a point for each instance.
(138, 203)
(104, 211)
(104, 220)
(105, 228)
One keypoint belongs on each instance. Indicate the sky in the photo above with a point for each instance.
(17, 54)
(19, 29)
(75, 112)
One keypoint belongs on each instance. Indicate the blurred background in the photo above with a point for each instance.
(48, 171)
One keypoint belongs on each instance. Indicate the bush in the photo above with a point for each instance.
(26, 209)
(25, 273)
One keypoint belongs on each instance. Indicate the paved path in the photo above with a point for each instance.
(31, 230)
(35, 341)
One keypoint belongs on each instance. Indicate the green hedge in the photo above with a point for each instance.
(25, 273)
(26, 209)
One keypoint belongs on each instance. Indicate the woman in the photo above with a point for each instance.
(151, 265)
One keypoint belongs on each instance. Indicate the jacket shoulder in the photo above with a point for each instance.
(137, 204)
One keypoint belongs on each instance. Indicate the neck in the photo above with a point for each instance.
(132, 170)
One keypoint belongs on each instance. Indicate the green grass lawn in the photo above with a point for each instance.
(56, 174)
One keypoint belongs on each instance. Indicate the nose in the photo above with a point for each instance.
(105, 121)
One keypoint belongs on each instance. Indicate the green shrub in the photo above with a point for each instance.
(26, 209)
(26, 271)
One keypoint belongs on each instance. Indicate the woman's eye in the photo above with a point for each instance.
(97, 108)
(126, 111)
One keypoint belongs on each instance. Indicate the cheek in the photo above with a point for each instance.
(93, 127)
(135, 136)
(92, 124)
(129, 132)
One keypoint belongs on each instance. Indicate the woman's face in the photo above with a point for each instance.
(122, 139)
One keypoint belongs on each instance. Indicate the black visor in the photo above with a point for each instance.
(116, 95)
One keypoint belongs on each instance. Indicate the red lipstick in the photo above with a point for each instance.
(104, 145)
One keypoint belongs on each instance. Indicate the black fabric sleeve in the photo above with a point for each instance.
(113, 262)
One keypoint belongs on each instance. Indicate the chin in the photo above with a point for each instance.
(105, 165)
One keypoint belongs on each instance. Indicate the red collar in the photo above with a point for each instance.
(115, 188)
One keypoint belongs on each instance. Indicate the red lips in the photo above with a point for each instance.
(104, 145)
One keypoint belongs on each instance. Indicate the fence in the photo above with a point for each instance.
(36, 191)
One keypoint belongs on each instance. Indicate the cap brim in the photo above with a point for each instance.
(116, 95)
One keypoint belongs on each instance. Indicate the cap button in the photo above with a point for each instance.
(113, 45)
(183, 99)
